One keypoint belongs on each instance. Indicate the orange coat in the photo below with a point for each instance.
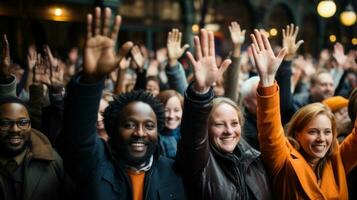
(290, 174)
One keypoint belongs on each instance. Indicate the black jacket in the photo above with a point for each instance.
(90, 161)
(209, 174)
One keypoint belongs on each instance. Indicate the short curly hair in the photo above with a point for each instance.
(112, 112)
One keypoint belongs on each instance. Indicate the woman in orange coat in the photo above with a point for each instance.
(308, 163)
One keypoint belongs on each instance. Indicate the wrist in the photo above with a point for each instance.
(267, 81)
(173, 62)
(200, 89)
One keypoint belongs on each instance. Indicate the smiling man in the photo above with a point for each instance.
(129, 165)
(29, 167)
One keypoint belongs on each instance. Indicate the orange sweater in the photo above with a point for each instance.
(291, 176)
(137, 182)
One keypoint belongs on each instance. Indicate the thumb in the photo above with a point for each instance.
(224, 66)
(185, 47)
(298, 44)
(125, 49)
(282, 53)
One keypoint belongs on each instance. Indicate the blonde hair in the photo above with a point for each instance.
(300, 120)
(223, 100)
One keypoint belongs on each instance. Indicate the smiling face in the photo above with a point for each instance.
(137, 135)
(14, 137)
(316, 138)
(224, 128)
(173, 113)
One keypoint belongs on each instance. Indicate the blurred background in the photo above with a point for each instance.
(61, 23)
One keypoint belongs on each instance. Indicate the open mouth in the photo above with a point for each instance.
(15, 140)
(138, 146)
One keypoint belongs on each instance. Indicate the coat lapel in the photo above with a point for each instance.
(33, 174)
(306, 176)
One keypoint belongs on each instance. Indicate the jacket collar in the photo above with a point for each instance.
(40, 146)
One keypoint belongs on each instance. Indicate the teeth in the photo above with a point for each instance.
(15, 140)
(137, 144)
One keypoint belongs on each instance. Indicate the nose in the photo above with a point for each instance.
(171, 114)
(229, 130)
(14, 127)
(139, 132)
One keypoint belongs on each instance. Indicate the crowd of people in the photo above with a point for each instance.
(264, 123)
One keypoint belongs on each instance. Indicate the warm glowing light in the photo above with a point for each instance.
(326, 8)
(195, 28)
(354, 41)
(273, 32)
(332, 38)
(58, 11)
(212, 27)
(348, 16)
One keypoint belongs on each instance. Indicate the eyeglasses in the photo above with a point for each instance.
(22, 124)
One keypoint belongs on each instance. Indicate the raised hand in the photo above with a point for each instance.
(339, 54)
(205, 70)
(5, 62)
(265, 61)
(49, 57)
(237, 37)
(31, 58)
(137, 57)
(41, 72)
(174, 48)
(99, 56)
(289, 41)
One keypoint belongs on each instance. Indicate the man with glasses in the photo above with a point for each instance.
(29, 167)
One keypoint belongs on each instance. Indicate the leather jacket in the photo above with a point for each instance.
(208, 173)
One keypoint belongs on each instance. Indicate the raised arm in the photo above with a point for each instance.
(284, 73)
(232, 74)
(273, 143)
(348, 148)
(194, 145)
(83, 147)
(7, 81)
(174, 70)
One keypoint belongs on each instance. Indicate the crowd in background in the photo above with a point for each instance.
(227, 128)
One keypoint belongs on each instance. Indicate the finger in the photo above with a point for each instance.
(284, 36)
(179, 37)
(192, 60)
(296, 31)
(204, 42)
(255, 52)
(198, 50)
(266, 42)
(243, 32)
(224, 66)
(116, 27)
(287, 30)
(169, 37)
(125, 49)
(6, 48)
(185, 47)
(281, 54)
(255, 43)
(298, 44)
(97, 23)
(107, 16)
(291, 30)
(258, 37)
(89, 25)
(211, 44)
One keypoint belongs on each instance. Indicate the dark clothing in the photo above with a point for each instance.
(208, 173)
(41, 173)
(250, 130)
(168, 140)
(90, 160)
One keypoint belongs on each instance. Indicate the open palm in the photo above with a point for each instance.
(205, 69)
(266, 62)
